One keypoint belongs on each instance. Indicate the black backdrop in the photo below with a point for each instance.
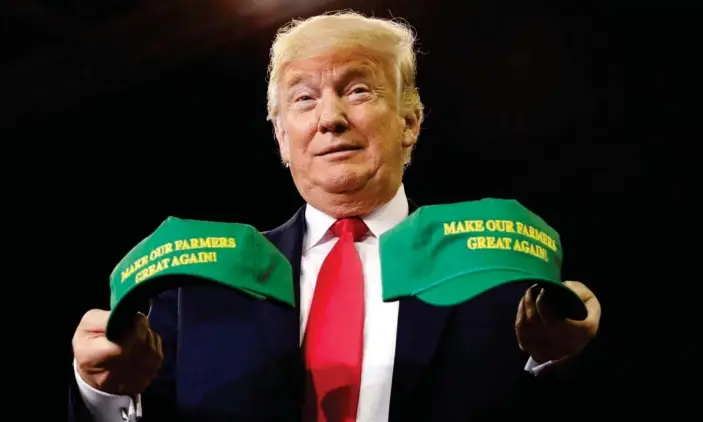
(121, 113)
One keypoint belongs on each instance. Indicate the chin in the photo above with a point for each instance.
(347, 186)
(345, 193)
(344, 180)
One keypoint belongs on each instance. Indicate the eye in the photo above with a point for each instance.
(303, 97)
(359, 90)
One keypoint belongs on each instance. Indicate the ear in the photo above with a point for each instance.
(282, 139)
(412, 129)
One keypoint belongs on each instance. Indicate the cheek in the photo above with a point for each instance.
(300, 134)
(386, 135)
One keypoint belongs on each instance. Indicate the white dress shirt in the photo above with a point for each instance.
(379, 336)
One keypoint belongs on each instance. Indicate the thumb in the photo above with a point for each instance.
(103, 348)
(94, 321)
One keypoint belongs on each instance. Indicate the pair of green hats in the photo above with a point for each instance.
(442, 254)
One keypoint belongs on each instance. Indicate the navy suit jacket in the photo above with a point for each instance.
(228, 357)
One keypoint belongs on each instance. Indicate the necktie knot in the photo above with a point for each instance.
(353, 226)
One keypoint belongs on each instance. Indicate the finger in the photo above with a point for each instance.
(143, 340)
(141, 322)
(591, 302)
(135, 380)
(138, 333)
(546, 313)
(526, 312)
(530, 303)
(136, 385)
(158, 346)
(520, 316)
(520, 322)
(148, 348)
(98, 352)
(593, 319)
(583, 292)
(95, 320)
(139, 366)
(155, 354)
(150, 360)
(534, 341)
(528, 326)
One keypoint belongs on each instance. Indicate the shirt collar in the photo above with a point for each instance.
(379, 221)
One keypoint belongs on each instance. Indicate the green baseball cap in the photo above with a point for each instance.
(182, 252)
(447, 254)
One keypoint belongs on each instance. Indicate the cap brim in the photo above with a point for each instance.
(462, 288)
(122, 315)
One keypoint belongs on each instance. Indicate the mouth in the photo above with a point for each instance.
(340, 149)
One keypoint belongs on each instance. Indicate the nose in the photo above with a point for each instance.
(333, 116)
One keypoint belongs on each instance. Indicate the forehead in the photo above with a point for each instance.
(333, 67)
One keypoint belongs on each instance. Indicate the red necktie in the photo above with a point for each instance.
(334, 335)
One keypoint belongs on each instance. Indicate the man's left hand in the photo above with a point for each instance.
(547, 337)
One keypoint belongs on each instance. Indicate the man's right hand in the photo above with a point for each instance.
(126, 368)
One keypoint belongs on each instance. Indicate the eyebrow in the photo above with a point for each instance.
(347, 74)
(295, 79)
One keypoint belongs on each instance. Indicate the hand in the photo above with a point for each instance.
(124, 369)
(544, 335)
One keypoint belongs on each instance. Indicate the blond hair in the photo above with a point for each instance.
(389, 38)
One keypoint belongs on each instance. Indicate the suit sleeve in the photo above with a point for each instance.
(158, 401)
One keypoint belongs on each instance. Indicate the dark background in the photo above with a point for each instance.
(117, 114)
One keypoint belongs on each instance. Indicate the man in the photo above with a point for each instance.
(346, 114)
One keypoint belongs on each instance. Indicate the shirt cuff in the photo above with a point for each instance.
(105, 407)
(535, 368)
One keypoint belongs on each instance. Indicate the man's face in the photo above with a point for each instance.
(342, 133)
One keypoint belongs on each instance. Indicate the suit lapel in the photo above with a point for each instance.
(420, 328)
